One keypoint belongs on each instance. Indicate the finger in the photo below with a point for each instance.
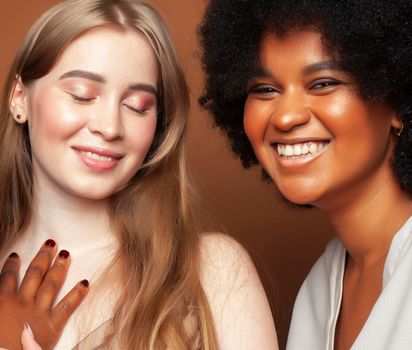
(65, 308)
(53, 281)
(10, 274)
(37, 270)
(27, 339)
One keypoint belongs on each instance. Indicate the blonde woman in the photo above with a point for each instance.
(92, 160)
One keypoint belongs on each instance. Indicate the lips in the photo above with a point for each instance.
(96, 158)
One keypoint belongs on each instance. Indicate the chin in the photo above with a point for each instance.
(298, 195)
(93, 194)
(296, 199)
(95, 189)
(293, 205)
(297, 190)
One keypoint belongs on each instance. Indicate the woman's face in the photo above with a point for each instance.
(311, 131)
(92, 119)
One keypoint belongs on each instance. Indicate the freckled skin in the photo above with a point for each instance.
(302, 106)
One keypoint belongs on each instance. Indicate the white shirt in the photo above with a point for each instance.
(389, 325)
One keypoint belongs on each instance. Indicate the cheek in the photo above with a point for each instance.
(338, 113)
(255, 121)
(356, 123)
(140, 134)
(348, 114)
(53, 120)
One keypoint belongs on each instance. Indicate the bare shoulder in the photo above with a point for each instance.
(236, 297)
(225, 262)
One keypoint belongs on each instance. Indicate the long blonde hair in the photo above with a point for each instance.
(159, 248)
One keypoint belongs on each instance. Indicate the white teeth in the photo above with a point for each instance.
(313, 148)
(98, 157)
(299, 149)
(288, 150)
(305, 148)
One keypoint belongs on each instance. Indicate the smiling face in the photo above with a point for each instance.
(309, 128)
(92, 118)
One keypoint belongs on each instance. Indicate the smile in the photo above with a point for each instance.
(96, 156)
(300, 149)
(97, 159)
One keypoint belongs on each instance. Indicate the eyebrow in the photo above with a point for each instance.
(144, 87)
(100, 79)
(324, 65)
(262, 72)
(83, 74)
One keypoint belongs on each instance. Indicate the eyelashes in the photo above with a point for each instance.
(86, 100)
(318, 86)
(262, 89)
(81, 99)
(325, 83)
(137, 110)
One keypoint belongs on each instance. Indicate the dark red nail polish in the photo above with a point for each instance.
(64, 254)
(13, 255)
(50, 243)
(85, 283)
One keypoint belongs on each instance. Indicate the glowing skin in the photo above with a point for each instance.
(92, 118)
(312, 132)
(91, 122)
(323, 144)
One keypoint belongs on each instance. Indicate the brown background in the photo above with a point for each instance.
(283, 242)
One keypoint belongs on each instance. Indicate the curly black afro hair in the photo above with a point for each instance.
(372, 40)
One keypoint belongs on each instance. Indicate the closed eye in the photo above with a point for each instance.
(141, 111)
(81, 99)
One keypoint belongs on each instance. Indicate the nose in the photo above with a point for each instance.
(291, 111)
(107, 121)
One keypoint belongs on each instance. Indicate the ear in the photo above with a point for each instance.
(18, 102)
(396, 121)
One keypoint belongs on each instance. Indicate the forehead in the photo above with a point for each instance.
(110, 51)
(299, 47)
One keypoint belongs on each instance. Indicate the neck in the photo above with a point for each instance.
(367, 223)
(76, 224)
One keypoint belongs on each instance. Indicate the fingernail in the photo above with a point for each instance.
(50, 243)
(85, 283)
(27, 327)
(13, 255)
(64, 254)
